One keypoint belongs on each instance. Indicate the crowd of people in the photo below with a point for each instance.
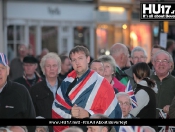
(73, 86)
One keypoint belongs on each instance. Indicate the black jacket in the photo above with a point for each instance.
(28, 83)
(42, 99)
(16, 103)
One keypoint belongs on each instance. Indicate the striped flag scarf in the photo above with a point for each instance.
(91, 92)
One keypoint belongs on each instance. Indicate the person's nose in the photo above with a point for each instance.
(77, 62)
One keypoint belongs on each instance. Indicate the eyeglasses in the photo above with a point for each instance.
(125, 103)
(163, 61)
(136, 58)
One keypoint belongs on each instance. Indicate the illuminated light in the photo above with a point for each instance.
(107, 52)
(133, 36)
(124, 26)
(112, 9)
(165, 26)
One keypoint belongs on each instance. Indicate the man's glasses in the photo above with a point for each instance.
(162, 61)
(124, 104)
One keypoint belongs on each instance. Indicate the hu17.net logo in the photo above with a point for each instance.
(157, 11)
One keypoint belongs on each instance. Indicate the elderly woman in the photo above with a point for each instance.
(43, 93)
(109, 72)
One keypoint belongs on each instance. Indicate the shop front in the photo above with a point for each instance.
(121, 25)
(57, 27)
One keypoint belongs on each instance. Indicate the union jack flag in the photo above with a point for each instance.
(87, 94)
(166, 128)
(162, 114)
(130, 92)
(131, 129)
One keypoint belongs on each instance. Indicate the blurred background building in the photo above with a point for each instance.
(59, 25)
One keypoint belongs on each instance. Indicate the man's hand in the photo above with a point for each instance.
(83, 113)
(79, 112)
(75, 111)
(166, 108)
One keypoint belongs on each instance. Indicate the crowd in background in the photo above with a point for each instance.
(76, 86)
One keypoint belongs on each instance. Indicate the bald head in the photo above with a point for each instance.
(16, 129)
(120, 54)
(118, 48)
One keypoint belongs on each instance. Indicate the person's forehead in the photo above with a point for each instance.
(154, 50)
(67, 60)
(162, 55)
(136, 53)
(40, 128)
(80, 53)
(123, 98)
(94, 127)
(2, 65)
(107, 64)
(99, 64)
(50, 61)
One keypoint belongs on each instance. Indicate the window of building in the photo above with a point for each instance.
(50, 38)
(82, 36)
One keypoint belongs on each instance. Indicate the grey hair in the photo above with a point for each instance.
(73, 129)
(50, 55)
(109, 59)
(119, 94)
(102, 116)
(138, 48)
(160, 52)
(172, 62)
(23, 127)
(1, 129)
(44, 127)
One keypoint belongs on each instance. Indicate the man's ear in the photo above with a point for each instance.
(88, 59)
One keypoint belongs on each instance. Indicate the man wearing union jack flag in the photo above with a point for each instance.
(84, 92)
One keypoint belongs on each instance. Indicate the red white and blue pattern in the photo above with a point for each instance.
(91, 92)
(166, 128)
(3, 59)
(131, 129)
(162, 114)
(130, 92)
